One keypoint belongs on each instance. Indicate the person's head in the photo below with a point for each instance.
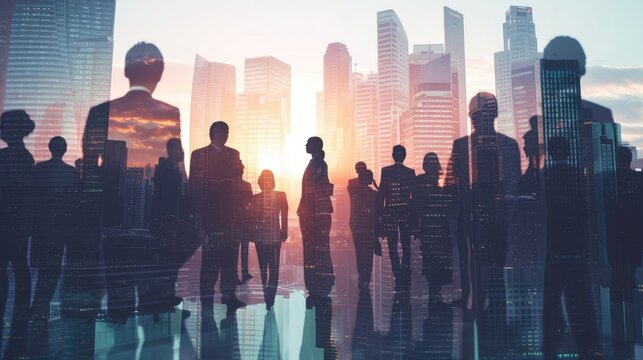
(15, 125)
(266, 180)
(360, 166)
(365, 177)
(399, 153)
(219, 132)
(431, 165)
(565, 48)
(144, 65)
(624, 157)
(558, 148)
(533, 122)
(314, 145)
(175, 150)
(57, 147)
(483, 110)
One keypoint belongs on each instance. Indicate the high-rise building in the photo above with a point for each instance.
(523, 100)
(428, 126)
(6, 10)
(454, 45)
(393, 82)
(60, 57)
(263, 118)
(366, 119)
(338, 130)
(519, 49)
(214, 94)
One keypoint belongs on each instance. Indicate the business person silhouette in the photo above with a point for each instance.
(365, 225)
(242, 222)
(123, 137)
(16, 210)
(315, 209)
(271, 229)
(211, 189)
(57, 189)
(396, 187)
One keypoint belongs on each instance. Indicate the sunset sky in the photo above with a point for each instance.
(297, 33)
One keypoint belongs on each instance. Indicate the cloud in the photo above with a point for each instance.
(620, 89)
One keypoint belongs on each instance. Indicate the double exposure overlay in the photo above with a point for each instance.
(353, 194)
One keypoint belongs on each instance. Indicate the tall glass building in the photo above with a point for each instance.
(454, 45)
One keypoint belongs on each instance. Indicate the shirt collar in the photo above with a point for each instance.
(140, 88)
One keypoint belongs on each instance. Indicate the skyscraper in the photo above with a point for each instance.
(59, 64)
(393, 82)
(214, 94)
(519, 49)
(263, 118)
(338, 126)
(523, 100)
(366, 119)
(454, 45)
(428, 126)
(6, 9)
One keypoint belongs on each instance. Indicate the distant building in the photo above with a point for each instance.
(454, 45)
(366, 119)
(214, 93)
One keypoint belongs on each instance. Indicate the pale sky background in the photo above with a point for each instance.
(297, 33)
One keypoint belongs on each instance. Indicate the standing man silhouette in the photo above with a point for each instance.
(396, 187)
(122, 138)
(56, 187)
(212, 174)
(16, 207)
(315, 209)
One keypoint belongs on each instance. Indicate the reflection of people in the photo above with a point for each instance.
(364, 344)
(315, 209)
(56, 188)
(211, 188)
(123, 137)
(396, 186)
(566, 273)
(365, 225)
(269, 348)
(492, 162)
(271, 229)
(16, 180)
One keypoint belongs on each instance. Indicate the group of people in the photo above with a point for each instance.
(125, 231)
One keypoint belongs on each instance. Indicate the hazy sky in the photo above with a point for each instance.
(297, 33)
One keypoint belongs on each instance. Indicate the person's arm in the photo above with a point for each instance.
(284, 217)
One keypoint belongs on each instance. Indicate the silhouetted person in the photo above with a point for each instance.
(122, 138)
(242, 219)
(168, 225)
(396, 186)
(16, 206)
(568, 48)
(360, 166)
(482, 214)
(430, 207)
(567, 256)
(317, 332)
(365, 225)
(271, 229)
(212, 177)
(530, 179)
(315, 209)
(624, 248)
(56, 188)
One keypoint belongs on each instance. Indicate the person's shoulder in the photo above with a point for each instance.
(166, 108)
(507, 139)
(231, 151)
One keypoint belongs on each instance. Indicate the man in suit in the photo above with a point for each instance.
(396, 187)
(483, 171)
(123, 137)
(314, 211)
(212, 178)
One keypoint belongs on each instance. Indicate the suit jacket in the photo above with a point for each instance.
(366, 206)
(211, 187)
(316, 189)
(128, 133)
(270, 216)
(396, 188)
